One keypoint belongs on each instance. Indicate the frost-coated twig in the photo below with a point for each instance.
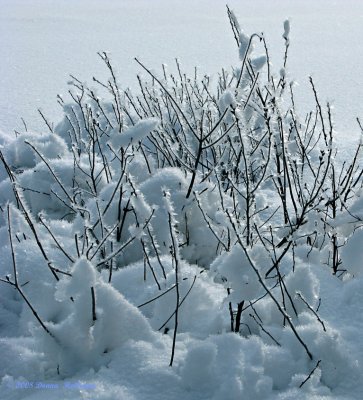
(15, 284)
(12, 247)
(234, 25)
(45, 120)
(147, 261)
(110, 266)
(311, 309)
(170, 96)
(175, 254)
(116, 252)
(60, 247)
(264, 330)
(157, 297)
(51, 171)
(102, 242)
(34, 231)
(181, 302)
(273, 298)
(196, 196)
(121, 248)
(246, 57)
(154, 245)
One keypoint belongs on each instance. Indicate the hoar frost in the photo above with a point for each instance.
(220, 194)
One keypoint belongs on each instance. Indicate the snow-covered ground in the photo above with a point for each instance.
(105, 339)
(43, 41)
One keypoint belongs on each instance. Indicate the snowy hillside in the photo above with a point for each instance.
(194, 237)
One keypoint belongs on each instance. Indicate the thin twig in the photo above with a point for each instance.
(94, 317)
(157, 297)
(310, 375)
(311, 309)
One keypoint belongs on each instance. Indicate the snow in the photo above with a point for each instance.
(43, 41)
(135, 133)
(245, 45)
(286, 30)
(102, 244)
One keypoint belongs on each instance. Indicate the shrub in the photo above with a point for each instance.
(191, 175)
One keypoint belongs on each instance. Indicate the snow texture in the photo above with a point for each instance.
(104, 242)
